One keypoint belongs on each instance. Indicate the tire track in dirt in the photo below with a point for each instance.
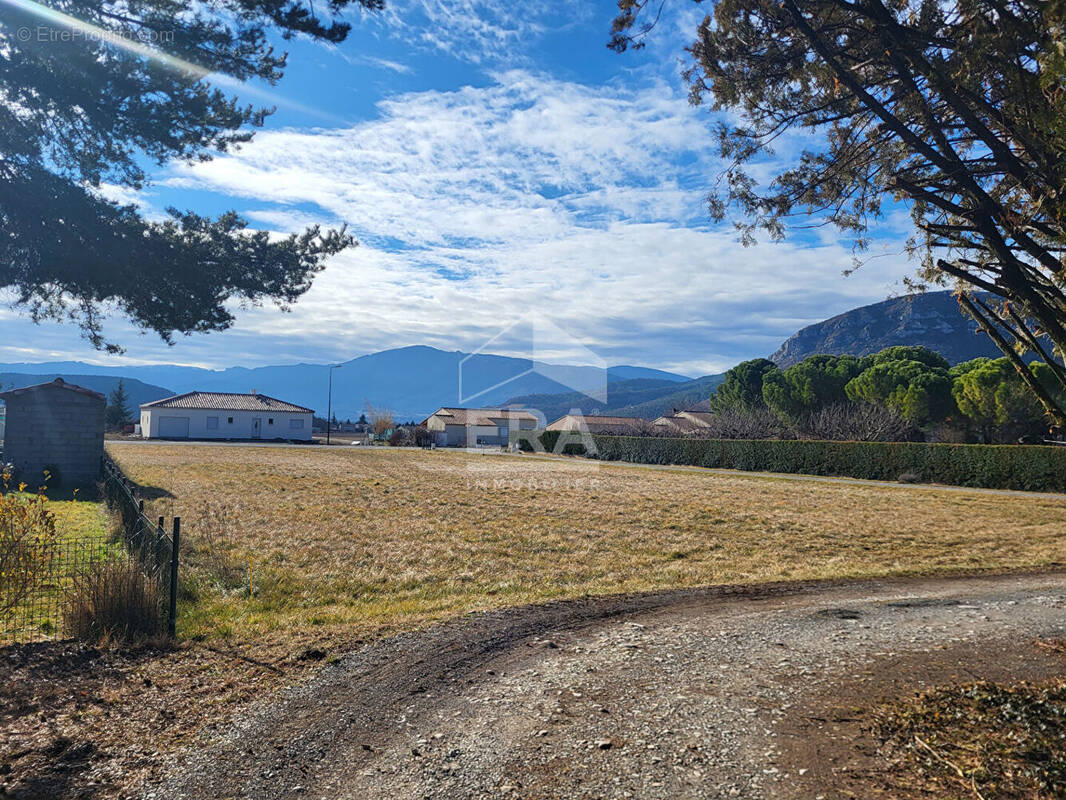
(695, 693)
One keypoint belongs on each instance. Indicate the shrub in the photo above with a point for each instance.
(857, 422)
(1032, 468)
(113, 600)
(411, 436)
(550, 442)
(422, 436)
(28, 544)
(745, 423)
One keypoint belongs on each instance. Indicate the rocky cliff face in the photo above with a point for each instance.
(933, 319)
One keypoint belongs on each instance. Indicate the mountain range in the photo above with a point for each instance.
(411, 382)
(414, 381)
(932, 319)
(137, 391)
(645, 398)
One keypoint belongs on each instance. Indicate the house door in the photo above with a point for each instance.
(257, 425)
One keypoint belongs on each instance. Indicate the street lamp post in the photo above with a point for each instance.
(329, 402)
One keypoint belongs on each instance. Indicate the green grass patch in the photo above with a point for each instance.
(83, 537)
(81, 521)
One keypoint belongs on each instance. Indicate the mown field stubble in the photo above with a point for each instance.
(366, 539)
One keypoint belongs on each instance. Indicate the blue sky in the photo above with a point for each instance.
(495, 159)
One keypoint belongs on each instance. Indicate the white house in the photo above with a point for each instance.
(469, 427)
(225, 415)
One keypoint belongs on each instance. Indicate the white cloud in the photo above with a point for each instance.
(478, 31)
(122, 195)
(380, 63)
(476, 205)
(520, 160)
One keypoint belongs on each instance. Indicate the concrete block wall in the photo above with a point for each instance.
(53, 427)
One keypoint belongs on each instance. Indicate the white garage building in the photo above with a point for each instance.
(224, 415)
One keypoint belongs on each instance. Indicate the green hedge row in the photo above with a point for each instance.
(1032, 468)
(550, 439)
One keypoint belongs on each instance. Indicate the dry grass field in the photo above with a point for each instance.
(362, 540)
(343, 545)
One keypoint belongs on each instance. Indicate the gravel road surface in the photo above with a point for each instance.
(750, 692)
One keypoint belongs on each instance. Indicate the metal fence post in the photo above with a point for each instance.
(172, 616)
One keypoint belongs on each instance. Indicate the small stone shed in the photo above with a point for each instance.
(56, 426)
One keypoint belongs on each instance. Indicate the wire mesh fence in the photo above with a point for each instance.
(37, 586)
(40, 576)
(149, 544)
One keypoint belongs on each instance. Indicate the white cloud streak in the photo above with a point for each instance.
(479, 32)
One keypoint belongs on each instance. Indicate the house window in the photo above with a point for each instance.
(229, 420)
(296, 423)
(270, 421)
(212, 423)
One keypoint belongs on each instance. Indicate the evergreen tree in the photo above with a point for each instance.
(815, 383)
(923, 355)
(81, 112)
(742, 387)
(996, 401)
(921, 394)
(118, 411)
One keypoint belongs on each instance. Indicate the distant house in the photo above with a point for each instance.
(469, 427)
(620, 426)
(225, 415)
(683, 423)
(54, 426)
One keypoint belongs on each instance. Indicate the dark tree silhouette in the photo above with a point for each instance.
(118, 411)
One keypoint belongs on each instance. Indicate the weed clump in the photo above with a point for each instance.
(114, 600)
(982, 739)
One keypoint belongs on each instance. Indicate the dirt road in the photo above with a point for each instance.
(724, 692)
